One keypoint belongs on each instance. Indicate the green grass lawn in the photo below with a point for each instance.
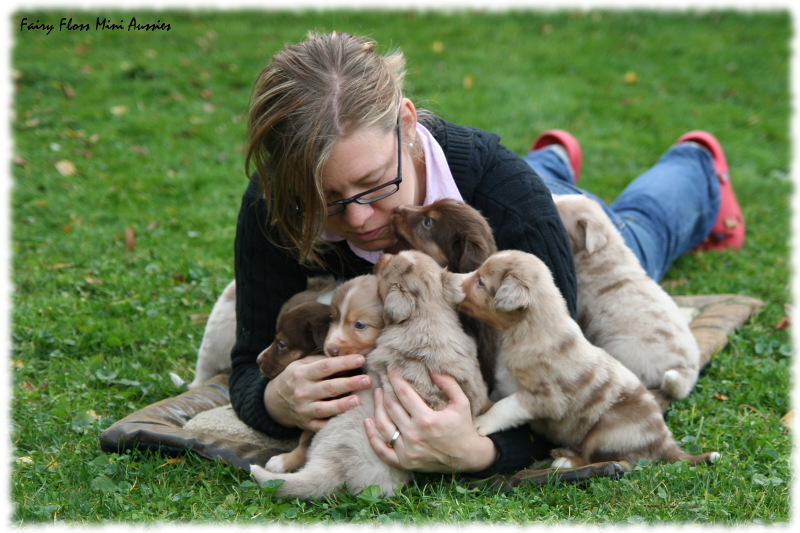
(128, 170)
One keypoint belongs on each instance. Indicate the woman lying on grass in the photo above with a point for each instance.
(334, 147)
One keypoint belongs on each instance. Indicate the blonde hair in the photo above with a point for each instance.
(311, 94)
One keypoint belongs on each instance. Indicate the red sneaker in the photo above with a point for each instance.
(566, 140)
(728, 231)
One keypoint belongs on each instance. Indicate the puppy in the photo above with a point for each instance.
(621, 309)
(455, 234)
(300, 332)
(351, 324)
(214, 355)
(421, 333)
(458, 237)
(569, 390)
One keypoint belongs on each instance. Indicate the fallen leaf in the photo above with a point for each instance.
(92, 413)
(468, 81)
(16, 364)
(66, 168)
(788, 419)
(130, 239)
(783, 323)
(20, 161)
(28, 460)
(631, 77)
(119, 110)
(721, 397)
(68, 91)
(437, 47)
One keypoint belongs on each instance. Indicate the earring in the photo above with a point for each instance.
(411, 145)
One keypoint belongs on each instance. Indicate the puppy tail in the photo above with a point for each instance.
(678, 382)
(675, 454)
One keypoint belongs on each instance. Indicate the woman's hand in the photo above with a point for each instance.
(301, 394)
(429, 441)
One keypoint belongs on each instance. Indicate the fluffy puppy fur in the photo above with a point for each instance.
(214, 355)
(421, 333)
(551, 376)
(621, 309)
(458, 237)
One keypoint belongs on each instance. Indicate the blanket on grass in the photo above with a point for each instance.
(203, 422)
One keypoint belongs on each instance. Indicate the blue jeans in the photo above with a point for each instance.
(663, 213)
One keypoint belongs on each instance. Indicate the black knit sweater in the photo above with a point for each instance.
(491, 178)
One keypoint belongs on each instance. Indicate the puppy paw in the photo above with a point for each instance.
(259, 473)
(484, 426)
(562, 462)
(275, 464)
(562, 452)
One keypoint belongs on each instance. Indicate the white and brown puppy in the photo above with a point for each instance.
(459, 238)
(549, 375)
(421, 333)
(621, 309)
(356, 317)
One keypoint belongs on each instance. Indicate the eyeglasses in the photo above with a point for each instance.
(378, 193)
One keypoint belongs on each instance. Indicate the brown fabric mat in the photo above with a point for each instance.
(202, 421)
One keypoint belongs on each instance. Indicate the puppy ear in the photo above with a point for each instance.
(595, 237)
(451, 285)
(397, 305)
(472, 254)
(512, 295)
(319, 326)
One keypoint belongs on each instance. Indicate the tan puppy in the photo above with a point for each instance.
(621, 309)
(421, 333)
(459, 238)
(551, 376)
(214, 354)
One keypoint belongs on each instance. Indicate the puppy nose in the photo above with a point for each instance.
(332, 351)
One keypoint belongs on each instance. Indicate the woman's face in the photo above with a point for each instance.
(361, 161)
